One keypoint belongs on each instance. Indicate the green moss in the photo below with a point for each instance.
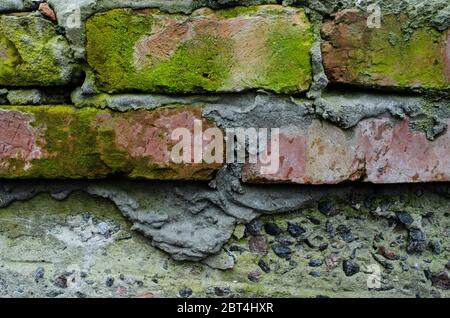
(412, 60)
(33, 53)
(207, 62)
(289, 66)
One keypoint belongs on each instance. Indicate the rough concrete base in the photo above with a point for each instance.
(82, 246)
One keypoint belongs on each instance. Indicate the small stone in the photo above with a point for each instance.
(315, 263)
(284, 240)
(264, 266)
(404, 266)
(254, 276)
(428, 274)
(281, 250)
(254, 227)
(237, 248)
(339, 244)
(325, 207)
(258, 245)
(350, 268)
(314, 221)
(47, 11)
(436, 247)
(417, 241)
(345, 233)
(405, 218)
(448, 265)
(383, 251)
(39, 273)
(61, 281)
(272, 229)
(314, 274)
(185, 292)
(329, 229)
(295, 230)
(323, 247)
(441, 281)
(109, 281)
(221, 291)
(239, 232)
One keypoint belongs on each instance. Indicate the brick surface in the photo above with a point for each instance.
(388, 56)
(376, 151)
(64, 142)
(231, 50)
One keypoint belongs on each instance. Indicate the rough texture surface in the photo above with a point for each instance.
(264, 47)
(32, 53)
(386, 56)
(63, 142)
(80, 247)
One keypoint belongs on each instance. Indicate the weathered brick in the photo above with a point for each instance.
(390, 56)
(65, 142)
(260, 47)
(377, 150)
(32, 53)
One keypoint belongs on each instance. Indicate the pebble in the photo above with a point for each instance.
(254, 276)
(417, 241)
(315, 263)
(314, 221)
(264, 266)
(350, 268)
(61, 281)
(436, 247)
(272, 229)
(185, 292)
(254, 227)
(284, 240)
(325, 207)
(258, 245)
(221, 291)
(314, 274)
(345, 233)
(109, 281)
(39, 273)
(329, 229)
(295, 230)
(441, 281)
(405, 218)
(281, 250)
(404, 266)
(323, 247)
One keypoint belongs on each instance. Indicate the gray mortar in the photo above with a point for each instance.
(193, 221)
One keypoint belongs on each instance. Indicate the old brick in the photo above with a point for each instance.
(64, 142)
(32, 53)
(388, 56)
(377, 150)
(261, 47)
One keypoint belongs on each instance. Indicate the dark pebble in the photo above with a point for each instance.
(185, 292)
(237, 248)
(441, 281)
(329, 229)
(61, 281)
(325, 207)
(315, 263)
(295, 230)
(272, 229)
(254, 227)
(350, 268)
(314, 220)
(39, 273)
(284, 240)
(281, 250)
(109, 281)
(345, 233)
(264, 266)
(221, 291)
(254, 277)
(428, 274)
(436, 247)
(405, 218)
(417, 241)
(323, 247)
(314, 274)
